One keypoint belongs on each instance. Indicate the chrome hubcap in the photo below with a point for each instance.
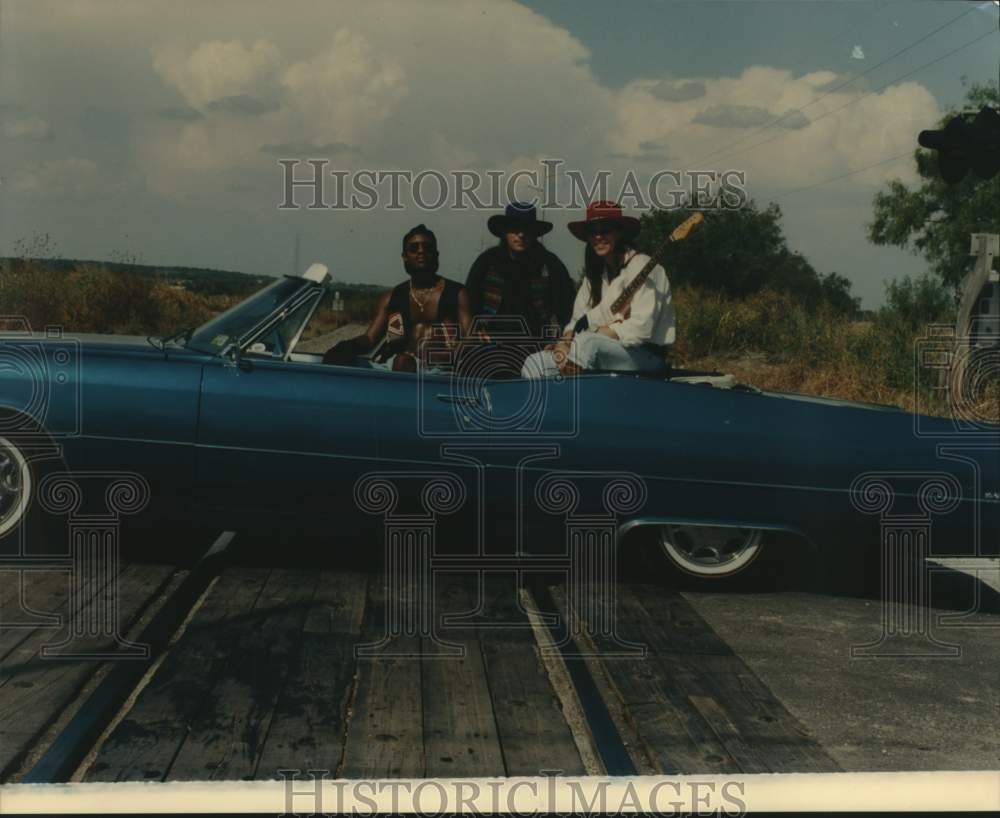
(710, 551)
(14, 485)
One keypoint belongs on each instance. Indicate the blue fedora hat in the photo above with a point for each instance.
(518, 215)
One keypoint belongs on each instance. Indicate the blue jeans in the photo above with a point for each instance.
(590, 350)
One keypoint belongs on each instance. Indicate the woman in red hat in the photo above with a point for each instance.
(638, 338)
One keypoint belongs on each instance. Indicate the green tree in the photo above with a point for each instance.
(935, 219)
(915, 302)
(835, 290)
(740, 252)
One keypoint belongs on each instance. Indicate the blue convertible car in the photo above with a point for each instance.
(228, 422)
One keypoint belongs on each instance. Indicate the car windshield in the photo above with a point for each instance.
(214, 336)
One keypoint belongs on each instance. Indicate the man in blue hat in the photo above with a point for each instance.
(519, 277)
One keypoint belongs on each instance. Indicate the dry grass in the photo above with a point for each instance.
(91, 298)
(766, 340)
(854, 382)
(769, 341)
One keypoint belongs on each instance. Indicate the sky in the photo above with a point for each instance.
(152, 131)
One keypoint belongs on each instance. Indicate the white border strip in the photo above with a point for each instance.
(731, 795)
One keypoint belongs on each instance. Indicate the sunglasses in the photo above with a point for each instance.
(416, 246)
(600, 228)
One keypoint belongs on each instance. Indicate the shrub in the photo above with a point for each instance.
(91, 298)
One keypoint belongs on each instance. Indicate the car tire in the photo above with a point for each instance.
(26, 527)
(714, 558)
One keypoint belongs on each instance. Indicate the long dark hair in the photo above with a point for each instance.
(502, 244)
(593, 267)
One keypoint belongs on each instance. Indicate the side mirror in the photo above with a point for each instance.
(239, 362)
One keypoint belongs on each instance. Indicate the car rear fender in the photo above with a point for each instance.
(646, 521)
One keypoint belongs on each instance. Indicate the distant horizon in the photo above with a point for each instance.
(862, 310)
(167, 146)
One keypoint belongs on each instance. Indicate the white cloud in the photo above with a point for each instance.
(31, 128)
(410, 89)
(72, 177)
(678, 92)
(345, 91)
(215, 69)
(749, 116)
(796, 152)
(216, 95)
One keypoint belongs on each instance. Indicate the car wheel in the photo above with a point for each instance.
(25, 527)
(15, 485)
(711, 552)
(716, 558)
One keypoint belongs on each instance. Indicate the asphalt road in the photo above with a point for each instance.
(925, 711)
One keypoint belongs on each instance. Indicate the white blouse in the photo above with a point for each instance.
(650, 318)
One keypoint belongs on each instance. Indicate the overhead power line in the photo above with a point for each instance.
(863, 96)
(837, 87)
(895, 158)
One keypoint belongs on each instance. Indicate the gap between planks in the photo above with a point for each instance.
(81, 771)
(562, 684)
(82, 683)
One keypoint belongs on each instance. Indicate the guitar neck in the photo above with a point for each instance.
(633, 286)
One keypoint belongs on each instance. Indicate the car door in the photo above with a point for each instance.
(285, 439)
(427, 427)
(535, 430)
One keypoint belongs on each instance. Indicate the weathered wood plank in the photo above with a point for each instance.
(745, 756)
(460, 734)
(731, 721)
(52, 590)
(385, 731)
(534, 734)
(145, 742)
(642, 758)
(226, 738)
(134, 632)
(670, 731)
(666, 623)
(43, 591)
(310, 718)
(660, 719)
(782, 741)
(34, 689)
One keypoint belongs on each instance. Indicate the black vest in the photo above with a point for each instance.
(399, 305)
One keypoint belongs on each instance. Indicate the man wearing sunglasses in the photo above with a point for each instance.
(410, 312)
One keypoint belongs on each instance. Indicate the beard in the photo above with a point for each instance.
(429, 268)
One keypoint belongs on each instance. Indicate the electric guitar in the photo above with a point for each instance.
(620, 305)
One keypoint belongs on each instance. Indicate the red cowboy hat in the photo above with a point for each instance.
(605, 212)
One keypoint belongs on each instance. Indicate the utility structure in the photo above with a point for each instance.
(970, 141)
(977, 328)
(337, 305)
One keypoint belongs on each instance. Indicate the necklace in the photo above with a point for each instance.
(421, 301)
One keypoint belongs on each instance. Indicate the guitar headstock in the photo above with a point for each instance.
(681, 231)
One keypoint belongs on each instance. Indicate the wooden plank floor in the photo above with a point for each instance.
(266, 678)
(690, 703)
(39, 693)
(460, 731)
(533, 730)
(146, 742)
(266, 675)
(477, 705)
